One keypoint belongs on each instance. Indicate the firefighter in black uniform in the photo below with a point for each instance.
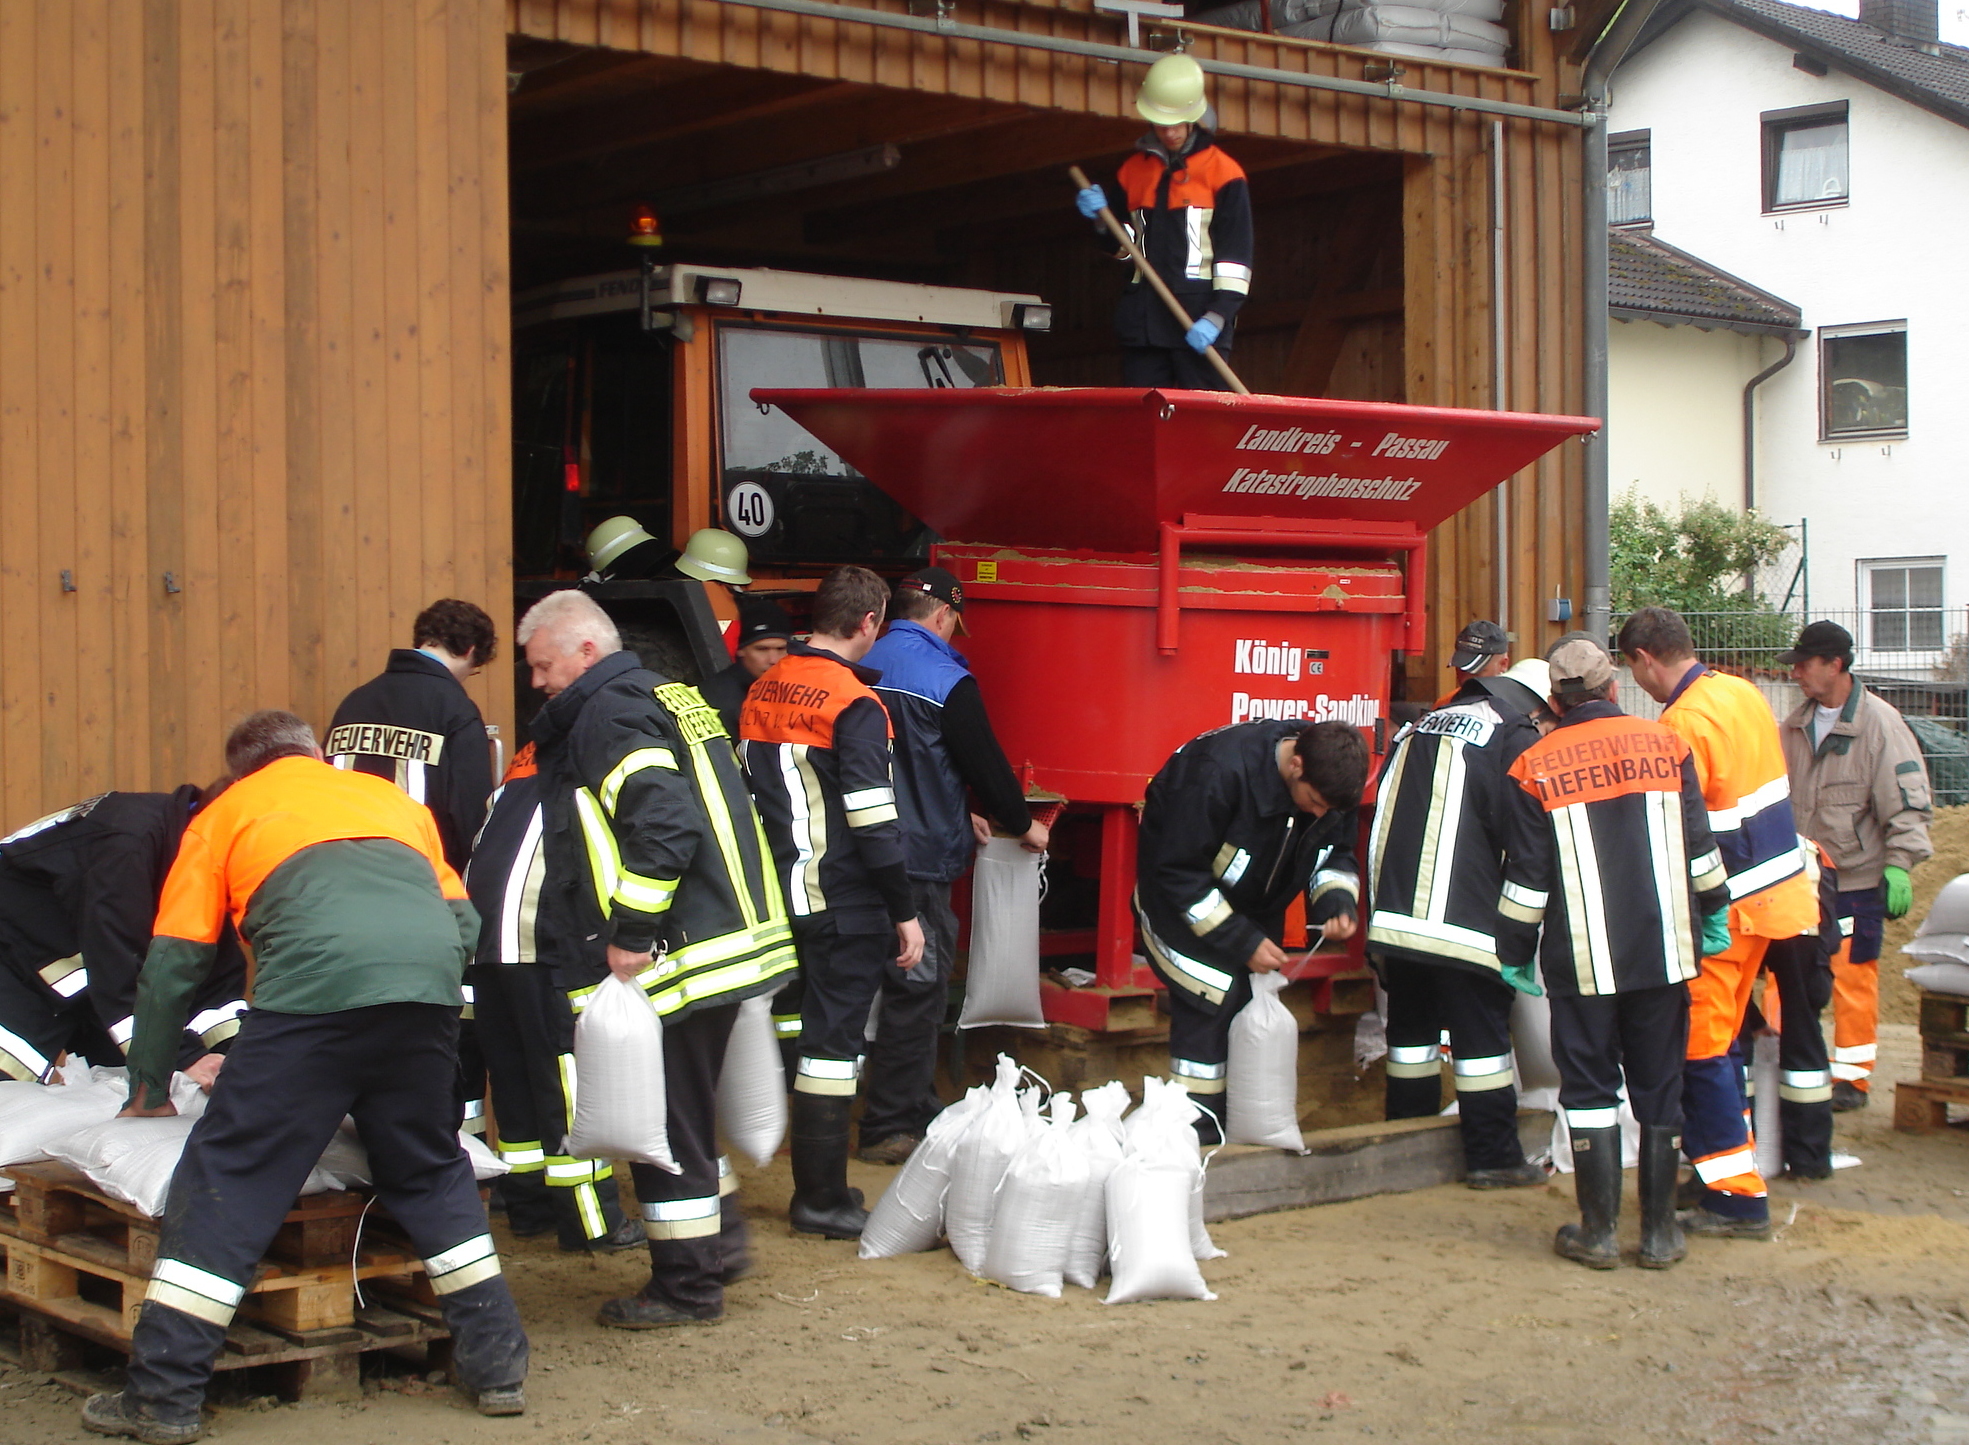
(525, 1029)
(1435, 871)
(764, 630)
(78, 894)
(1238, 822)
(643, 803)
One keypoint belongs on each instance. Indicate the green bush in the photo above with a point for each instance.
(1693, 559)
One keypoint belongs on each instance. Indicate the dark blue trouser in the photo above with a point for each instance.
(684, 1215)
(899, 1082)
(287, 1083)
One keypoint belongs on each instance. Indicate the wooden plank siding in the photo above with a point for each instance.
(253, 335)
(1443, 337)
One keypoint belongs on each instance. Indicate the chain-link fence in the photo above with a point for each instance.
(1915, 658)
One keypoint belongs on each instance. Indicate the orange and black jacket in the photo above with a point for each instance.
(1607, 846)
(816, 741)
(338, 886)
(1192, 218)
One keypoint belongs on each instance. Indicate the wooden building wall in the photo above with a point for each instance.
(253, 339)
(1446, 300)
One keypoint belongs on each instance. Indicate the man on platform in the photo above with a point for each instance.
(1859, 787)
(360, 931)
(1238, 823)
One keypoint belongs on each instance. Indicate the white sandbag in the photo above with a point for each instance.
(485, 1163)
(1415, 25)
(1033, 1228)
(1002, 984)
(752, 1085)
(1949, 913)
(1447, 55)
(1766, 1131)
(100, 1147)
(1149, 1198)
(1940, 977)
(1944, 948)
(619, 1109)
(33, 1116)
(143, 1176)
(984, 1152)
(1098, 1138)
(908, 1218)
(1531, 1051)
(1263, 1074)
(344, 1164)
(1165, 1125)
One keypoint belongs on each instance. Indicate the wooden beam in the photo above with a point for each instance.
(1358, 240)
(1348, 1163)
(661, 115)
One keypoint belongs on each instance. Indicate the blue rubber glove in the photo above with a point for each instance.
(1090, 201)
(1203, 334)
(1900, 890)
(1716, 933)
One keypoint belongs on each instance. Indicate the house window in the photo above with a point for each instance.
(1904, 604)
(1805, 157)
(1863, 381)
(1630, 183)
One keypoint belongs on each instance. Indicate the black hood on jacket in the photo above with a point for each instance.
(557, 716)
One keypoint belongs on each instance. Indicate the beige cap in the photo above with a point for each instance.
(1579, 666)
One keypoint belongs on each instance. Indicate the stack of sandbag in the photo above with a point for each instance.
(1941, 944)
(1032, 1198)
(1465, 31)
(33, 1116)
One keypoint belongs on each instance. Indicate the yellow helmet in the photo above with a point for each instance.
(612, 538)
(714, 555)
(1172, 92)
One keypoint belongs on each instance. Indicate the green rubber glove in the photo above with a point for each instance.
(1900, 891)
(1524, 978)
(1716, 933)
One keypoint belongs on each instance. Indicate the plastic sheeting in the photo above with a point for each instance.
(1263, 1075)
(752, 1085)
(1002, 985)
(619, 1105)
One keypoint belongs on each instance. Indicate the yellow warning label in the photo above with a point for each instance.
(987, 572)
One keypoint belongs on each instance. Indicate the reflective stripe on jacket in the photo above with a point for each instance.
(1740, 764)
(1192, 220)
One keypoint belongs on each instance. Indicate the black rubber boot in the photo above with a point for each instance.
(118, 1414)
(823, 1203)
(1596, 1182)
(1662, 1244)
(527, 1202)
(734, 1241)
(1807, 1136)
(683, 1288)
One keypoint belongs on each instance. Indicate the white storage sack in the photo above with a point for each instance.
(1154, 1199)
(33, 1116)
(908, 1218)
(1263, 1074)
(1417, 25)
(1098, 1138)
(1531, 1051)
(1002, 985)
(984, 1152)
(1940, 977)
(619, 1106)
(1033, 1228)
(752, 1085)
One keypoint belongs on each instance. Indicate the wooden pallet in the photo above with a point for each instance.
(1921, 1104)
(1944, 1020)
(64, 1227)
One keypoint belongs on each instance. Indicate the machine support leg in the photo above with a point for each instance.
(1114, 965)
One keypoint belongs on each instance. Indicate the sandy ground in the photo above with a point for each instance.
(1437, 1315)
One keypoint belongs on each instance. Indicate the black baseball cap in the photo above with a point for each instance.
(1477, 643)
(1820, 639)
(760, 620)
(940, 584)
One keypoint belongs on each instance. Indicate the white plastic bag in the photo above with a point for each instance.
(1002, 986)
(485, 1163)
(619, 1106)
(1154, 1198)
(1033, 1228)
(33, 1116)
(1098, 1138)
(100, 1147)
(752, 1085)
(1263, 1074)
(984, 1152)
(908, 1218)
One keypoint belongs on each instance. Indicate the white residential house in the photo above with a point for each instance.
(1785, 181)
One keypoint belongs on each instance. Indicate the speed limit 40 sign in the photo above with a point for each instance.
(749, 509)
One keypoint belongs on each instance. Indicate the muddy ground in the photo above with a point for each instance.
(1437, 1315)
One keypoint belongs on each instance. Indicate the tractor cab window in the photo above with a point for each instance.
(783, 491)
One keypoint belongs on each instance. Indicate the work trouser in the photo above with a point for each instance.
(1856, 987)
(1716, 1131)
(1423, 1000)
(288, 1082)
(899, 1088)
(683, 1213)
(36, 1025)
(525, 1028)
(1803, 983)
(1639, 1037)
(1171, 366)
(473, 1077)
(1202, 1002)
(842, 972)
